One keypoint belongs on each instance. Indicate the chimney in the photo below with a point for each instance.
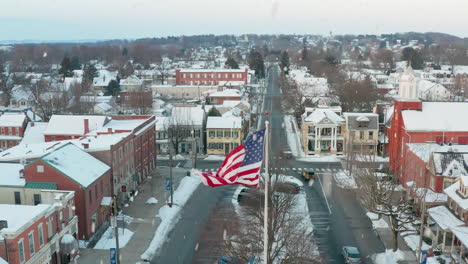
(85, 145)
(109, 130)
(3, 224)
(86, 126)
(32, 124)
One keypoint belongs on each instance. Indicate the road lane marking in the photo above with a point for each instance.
(324, 196)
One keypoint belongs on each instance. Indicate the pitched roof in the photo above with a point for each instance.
(34, 132)
(20, 216)
(10, 175)
(450, 164)
(76, 164)
(320, 114)
(13, 120)
(223, 122)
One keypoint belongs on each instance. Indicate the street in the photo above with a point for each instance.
(338, 218)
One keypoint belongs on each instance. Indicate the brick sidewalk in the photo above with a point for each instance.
(144, 222)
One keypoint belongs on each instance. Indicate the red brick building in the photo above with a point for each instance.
(73, 169)
(209, 76)
(218, 98)
(40, 233)
(12, 127)
(414, 121)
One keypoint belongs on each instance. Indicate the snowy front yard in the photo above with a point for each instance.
(345, 181)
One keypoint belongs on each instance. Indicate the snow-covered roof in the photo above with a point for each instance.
(21, 92)
(431, 196)
(10, 175)
(104, 77)
(443, 217)
(131, 80)
(36, 150)
(187, 115)
(127, 125)
(95, 99)
(451, 192)
(21, 216)
(461, 232)
(34, 132)
(2, 261)
(76, 164)
(428, 90)
(320, 114)
(73, 124)
(162, 123)
(223, 122)
(450, 164)
(226, 93)
(12, 120)
(424, 150)
(443, 116)
(70, 81)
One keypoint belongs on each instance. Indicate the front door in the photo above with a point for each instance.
(182, 147)
(324, 145)
(226, 148)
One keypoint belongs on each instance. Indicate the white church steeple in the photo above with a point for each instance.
(408, 87)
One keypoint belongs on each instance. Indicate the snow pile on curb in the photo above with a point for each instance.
(388, 257)
(170, 216)
(376, 222)
(107, 240)
(152, 200)
(413, 241)
(215, 157)
(323, 158)
(345, 181)
(294, 140)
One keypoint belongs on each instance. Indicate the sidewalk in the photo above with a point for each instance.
(144, 222)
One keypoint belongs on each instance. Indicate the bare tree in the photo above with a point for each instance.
(48, 101)
(293, 96)
(290, 237)
(163, 66)
(385, 197)
(178, 128)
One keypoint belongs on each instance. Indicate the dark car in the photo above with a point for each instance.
(351, 255)
(229, 260)
(307, 175)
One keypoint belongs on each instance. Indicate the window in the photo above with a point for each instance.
(212, 145)
(96, 192)
(17, 198)
(432, 183)
(220, 133)
(236, 145)
(102, 187)
(40, 230)
(361, 134)
(21, 250)
(371, 135)
(10, 131)
(31, 243)
(197, 133)
(3, 131)
(90, 196)
(227, 134)
(37, 199)
(115, 157)
(40, 168)
(212, 134)
(235, 134)
(311, 129)
(220, 145)
(120, 153)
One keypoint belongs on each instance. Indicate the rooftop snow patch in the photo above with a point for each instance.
(452, 192)
(12, 120)
(34, 132)
(443, 116)
(76, 164)
(443, 217)
(73, 124)
(424, 150)
(10, 175)
(223, 122)
(19, 216)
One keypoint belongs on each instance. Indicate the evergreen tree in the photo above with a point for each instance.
(113, 88)
(89, 72)
(255, 61)
(75, 63)
(214, 112)
(125, 52)
(414, 57)
(382, 45)
(231, 63)
(284, 64)
(65, 67)
(304, 54)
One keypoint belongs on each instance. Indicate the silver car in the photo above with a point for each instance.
(351, 255)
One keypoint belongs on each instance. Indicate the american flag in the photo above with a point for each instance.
(241, 165)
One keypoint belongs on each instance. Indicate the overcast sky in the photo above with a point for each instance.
(109, 19)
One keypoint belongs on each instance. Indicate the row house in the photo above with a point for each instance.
(185, 127)
(75, 170)
(43, 233)
(210, 76)
(12, 127)
(361, 133)
(323, 130)
(223, 134)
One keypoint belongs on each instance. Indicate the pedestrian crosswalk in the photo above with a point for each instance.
(319, 170)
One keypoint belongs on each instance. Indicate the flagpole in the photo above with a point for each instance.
(267, 183)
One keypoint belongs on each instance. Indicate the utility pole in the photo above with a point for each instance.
(170, 174)
(421, 228)
(114, 214)
(194, 146)
(265, 213)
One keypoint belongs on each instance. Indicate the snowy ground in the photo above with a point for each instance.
(388, 257)
(293, 136)
(376, 222)
(215, 157)
(372, 158)
(107, 240)
(413, 241)
(321, 158)
(345, 181)
(170, 216)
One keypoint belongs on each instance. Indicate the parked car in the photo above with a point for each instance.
(307, 175)
(351, 255)
(287, 154)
